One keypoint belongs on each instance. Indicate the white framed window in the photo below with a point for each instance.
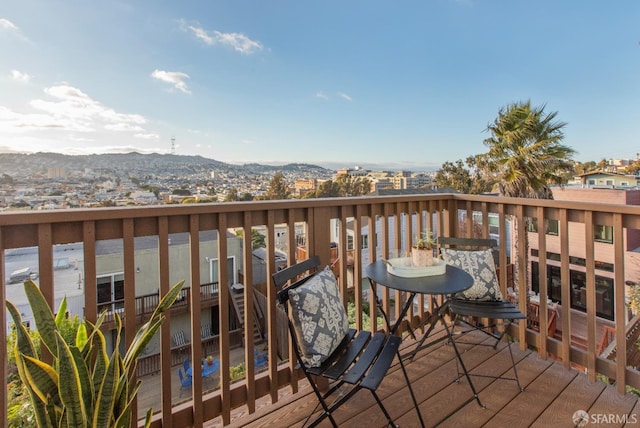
(232, 272)
(110, 292)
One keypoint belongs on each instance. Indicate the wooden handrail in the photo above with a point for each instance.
(183, 236)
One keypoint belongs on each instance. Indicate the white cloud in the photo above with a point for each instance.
(321, 95)
(176, 78)
(5, 24)
(238, 41)
(10, 27)
(149, 136)
(201, 34)
(120, 127)
(19, 76)
(345, 96)
(68, 109)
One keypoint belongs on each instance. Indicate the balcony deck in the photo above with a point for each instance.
(552, 395)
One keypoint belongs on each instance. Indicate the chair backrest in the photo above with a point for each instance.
(471, 244)
(186, 364)
(467, 243)
(205, 331)
(304, 326)
(179, 339)
(184, 380)
(281, 278)
(472, 255)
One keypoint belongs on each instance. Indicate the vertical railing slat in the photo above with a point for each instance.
(591, 294)
(195, 321)
(371, 222)
(130, 295)
(542, 275)
(566, 288)
(357, 268)
(620, 305)
(521, 270)
(291, 258)
(45, 268)
(89, 254)
(247, 251)
(165, 330)
(224, 308)
(271, 308)
(4, 360)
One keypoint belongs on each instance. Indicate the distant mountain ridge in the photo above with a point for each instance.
(20, 163)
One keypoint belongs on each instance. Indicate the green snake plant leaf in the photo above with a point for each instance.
(55, 413)
(42, 315)
(62, 312)
(41, 378)
(44, 417)
(147, 419)
(105, 399)
(150, 328)
(124, 420)
(81, 336)
(85, 379)
(24, 344)
(101, 358)
(71, 390)
(140, 342)
(168, 299)
(122, 389)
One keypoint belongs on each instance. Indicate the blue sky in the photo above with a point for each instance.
(396, 84)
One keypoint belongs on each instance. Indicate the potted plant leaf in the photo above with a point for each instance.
(422, 250)
(85, 386)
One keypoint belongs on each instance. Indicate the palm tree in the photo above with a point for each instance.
(526, 153)
(525, 157)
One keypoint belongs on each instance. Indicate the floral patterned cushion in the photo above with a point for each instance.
(480, 265)
(319, 317)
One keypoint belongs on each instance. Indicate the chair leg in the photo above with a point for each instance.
(413, 396)
(326, 411)
(464, 368)
(513, 364)
(384, 410)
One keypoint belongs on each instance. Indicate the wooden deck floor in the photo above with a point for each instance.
(552, 395)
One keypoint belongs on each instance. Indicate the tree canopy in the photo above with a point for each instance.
(278, 188)
(525, 156)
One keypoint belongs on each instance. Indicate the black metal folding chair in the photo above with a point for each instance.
(481, 308)
(325, 346)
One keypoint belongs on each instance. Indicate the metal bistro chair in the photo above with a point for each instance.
(331, 349)
(484, 299)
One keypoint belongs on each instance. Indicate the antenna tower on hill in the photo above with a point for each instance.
(173, 145)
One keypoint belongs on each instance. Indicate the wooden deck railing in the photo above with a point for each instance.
(146, 303)
(150, 364)
(395, 220)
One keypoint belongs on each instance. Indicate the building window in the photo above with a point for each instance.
(578, 283)
(364, 242)
(591, 182)
(550, 229)
(232, 273)
(110, 290)
(494, 225)
(609, 182)
(603, 233)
